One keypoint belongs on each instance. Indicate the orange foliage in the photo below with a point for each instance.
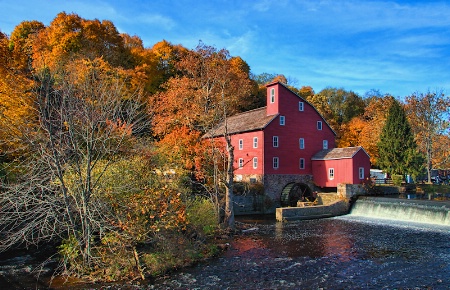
(365, 130)
(16, 104)
(151, 211)
(211, 84)
(185, 148)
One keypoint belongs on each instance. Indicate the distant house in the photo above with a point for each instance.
(279, 145)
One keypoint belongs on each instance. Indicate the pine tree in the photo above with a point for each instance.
(397, 148)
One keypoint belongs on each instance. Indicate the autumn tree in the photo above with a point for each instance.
(84, 125)
(365, 130)
(338, 106)
(398, 152)
(69, 36)
(16, 111)
(263, 78)
(211, 86)
(428, 115)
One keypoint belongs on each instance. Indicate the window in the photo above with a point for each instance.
(241, 144)
(331, 173)
(275, 141)
(361, 173)
(255, 142)
(272, 95)
(275, 162)
(255, 162)
(301, 143)
(282, 120)
(241, 163)
(301, 106)
(302, 163)
(325, 144)
(319, 125)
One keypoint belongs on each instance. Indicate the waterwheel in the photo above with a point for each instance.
(293, 192)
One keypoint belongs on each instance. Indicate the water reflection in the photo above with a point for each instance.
(336, 253)
(305, 240)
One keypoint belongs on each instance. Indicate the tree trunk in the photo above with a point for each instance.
(429, 157)
(229, 211)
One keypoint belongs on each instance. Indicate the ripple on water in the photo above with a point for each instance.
(329, 254)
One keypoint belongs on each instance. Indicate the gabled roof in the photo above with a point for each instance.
(337, 153)
(303, 99)
(244, 122)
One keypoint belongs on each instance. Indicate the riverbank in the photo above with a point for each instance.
(258, 241)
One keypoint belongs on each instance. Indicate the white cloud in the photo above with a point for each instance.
(156, 20)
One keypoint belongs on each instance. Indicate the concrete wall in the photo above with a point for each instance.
(312, 212)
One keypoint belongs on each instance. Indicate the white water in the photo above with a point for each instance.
(435, 213)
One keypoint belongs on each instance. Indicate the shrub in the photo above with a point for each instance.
(202, 215)
(397, 179)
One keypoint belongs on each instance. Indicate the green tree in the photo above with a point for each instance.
(398, 152)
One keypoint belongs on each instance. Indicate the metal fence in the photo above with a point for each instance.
(382, 180)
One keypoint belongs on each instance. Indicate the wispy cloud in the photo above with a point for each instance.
(396, 46)
(158, 20)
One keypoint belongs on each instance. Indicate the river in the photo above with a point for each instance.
(346, 252)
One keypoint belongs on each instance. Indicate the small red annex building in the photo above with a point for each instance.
(278, 146)
(349, 165)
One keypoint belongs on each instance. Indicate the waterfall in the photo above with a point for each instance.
(421, 211)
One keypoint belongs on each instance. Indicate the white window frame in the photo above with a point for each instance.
(241, 144)
(361, 173)
(325, 144)
(301, 106)
(319, 125)
(331, 173)
(241, 163)
(301, 163)
(282, 120)
(272, 95)
(255, 162)
(301, 143)
(276, 163)
(255, 142)
(275, 142)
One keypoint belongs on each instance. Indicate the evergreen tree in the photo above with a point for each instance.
(397, 148)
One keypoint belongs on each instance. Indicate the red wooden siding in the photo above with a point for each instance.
(265, 124)
(346, 170)
(298, 124)
(248, 152)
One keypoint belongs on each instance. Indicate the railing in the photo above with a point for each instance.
(382, 180)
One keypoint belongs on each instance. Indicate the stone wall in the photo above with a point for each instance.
(347, 191)
(251, 204)
(274, 184)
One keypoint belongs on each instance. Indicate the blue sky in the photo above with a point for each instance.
(397, 47)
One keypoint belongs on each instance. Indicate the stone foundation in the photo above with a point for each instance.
(274, 184)
(270, 200)
(252, 204)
